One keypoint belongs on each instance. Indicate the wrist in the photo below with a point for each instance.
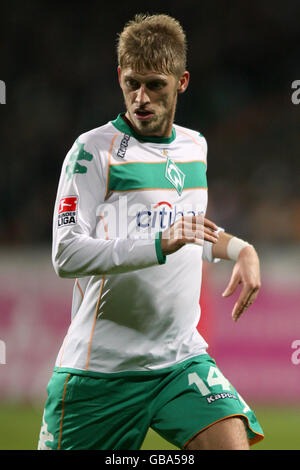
(235, 246)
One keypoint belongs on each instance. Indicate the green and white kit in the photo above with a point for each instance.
(114, 412)
(134, 311)
(132, 308)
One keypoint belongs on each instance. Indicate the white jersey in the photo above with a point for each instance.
(133, 308)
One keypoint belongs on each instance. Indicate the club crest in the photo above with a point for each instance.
(175, 176)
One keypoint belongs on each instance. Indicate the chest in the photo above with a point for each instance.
(152, 188)
(149, 168)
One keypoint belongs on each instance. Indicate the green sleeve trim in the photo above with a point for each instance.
(160, 256)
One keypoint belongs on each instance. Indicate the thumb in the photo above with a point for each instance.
(234, 282)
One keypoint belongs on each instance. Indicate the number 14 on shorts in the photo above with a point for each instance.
(214, 377)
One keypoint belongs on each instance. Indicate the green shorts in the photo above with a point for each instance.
(115, 411)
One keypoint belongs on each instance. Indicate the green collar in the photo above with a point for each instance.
(122, 126)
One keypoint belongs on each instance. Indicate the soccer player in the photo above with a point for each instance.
(129, 227)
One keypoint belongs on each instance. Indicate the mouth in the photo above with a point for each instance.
(143, 114)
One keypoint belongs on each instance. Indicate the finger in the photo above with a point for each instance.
(231, 287)
(210, 235)
(197, 227)
(199, 219)
(193, 218)
(208, 223)
(244, 301)
(190, 228)
(243, 298)
(191, 238)
(237, 311)
(186, 233)
(210, 238)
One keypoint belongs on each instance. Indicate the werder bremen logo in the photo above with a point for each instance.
(175, 176)
(78, 154)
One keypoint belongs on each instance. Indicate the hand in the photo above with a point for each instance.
(188, 229)
(246, 271)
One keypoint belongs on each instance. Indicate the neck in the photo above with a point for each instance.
(163, 132)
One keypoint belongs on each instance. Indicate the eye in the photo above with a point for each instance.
(155, 85)
(131, 83)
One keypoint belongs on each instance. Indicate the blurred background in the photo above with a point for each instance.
(58, 61)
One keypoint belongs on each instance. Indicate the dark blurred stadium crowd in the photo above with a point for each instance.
(59, 64)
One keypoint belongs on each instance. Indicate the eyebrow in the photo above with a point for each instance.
(132, 76)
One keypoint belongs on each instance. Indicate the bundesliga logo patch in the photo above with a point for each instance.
(67, 211)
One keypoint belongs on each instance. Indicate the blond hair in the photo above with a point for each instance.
(153, 42)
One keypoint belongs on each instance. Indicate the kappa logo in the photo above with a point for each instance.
(175, 176)
(219, 396)
(67, 211)
(123, 146)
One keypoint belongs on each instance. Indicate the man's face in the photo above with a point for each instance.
(150, 99)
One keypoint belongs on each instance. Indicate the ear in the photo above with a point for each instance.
(183, 82)
(119, 74)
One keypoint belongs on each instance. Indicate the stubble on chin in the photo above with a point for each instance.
(157, 125)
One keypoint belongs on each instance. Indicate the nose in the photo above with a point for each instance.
(142, 97)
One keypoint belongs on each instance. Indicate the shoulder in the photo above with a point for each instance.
(99, 138)
(93, 146)
(192, 136)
